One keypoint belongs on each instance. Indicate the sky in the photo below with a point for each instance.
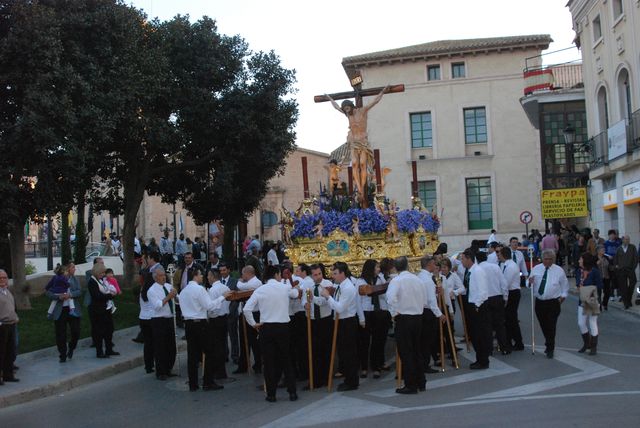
(313, 37)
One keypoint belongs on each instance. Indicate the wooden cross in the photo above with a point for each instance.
(358, 94)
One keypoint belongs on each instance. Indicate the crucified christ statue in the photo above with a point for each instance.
(361, 153)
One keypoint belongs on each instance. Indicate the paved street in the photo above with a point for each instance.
(518, 390)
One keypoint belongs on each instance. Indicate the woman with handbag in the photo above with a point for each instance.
(590, 285)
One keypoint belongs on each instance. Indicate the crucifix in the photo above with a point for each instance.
(361, 154)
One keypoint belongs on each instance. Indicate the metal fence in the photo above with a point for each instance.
(599, 150)
(40, 248)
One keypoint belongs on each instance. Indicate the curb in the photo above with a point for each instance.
(122, 364)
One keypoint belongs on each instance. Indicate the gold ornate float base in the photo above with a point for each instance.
(355, 250)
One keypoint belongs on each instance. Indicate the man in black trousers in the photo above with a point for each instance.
(406, 298)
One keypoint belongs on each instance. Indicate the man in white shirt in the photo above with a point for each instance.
(273, 300)
(498, 296)
(492, 237)
(477, 308)
(550, 288)
(233, 318)
(297, 315)
(518, 258)
(181, 248)
(272, 256)
(492, 251)
(249, 281)
(217, 330)
(343, 302)
(512, 277)
(195, 303)
(161, 300)
(406, 298)
(321, 324)
(430, 315)
(166, 249)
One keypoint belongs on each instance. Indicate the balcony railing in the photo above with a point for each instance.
(552, 77)
(599, 144)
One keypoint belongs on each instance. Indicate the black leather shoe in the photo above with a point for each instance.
(213, 387)
(13, 379)
(63, 359)
(549, 354)
(478, 366)
(405, 390)
(149, 370)
(344, 387)
(293, 396)
(430, 369)
(113, 353)
(102, 356)
(422, 388)
(270, 398)
(70, 353)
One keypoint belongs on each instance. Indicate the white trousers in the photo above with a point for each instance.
(587, 323)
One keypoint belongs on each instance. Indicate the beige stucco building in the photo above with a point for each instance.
(608, 33)
(287, 190)
(478, 157)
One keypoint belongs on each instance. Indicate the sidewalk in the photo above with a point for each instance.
(634, 309)
(42, 375)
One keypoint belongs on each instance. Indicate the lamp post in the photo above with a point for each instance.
(569, 133)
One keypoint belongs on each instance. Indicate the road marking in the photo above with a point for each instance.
(588, 370)
(322, 411)
(496, 368)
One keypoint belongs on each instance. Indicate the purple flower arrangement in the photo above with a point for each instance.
(370, 221)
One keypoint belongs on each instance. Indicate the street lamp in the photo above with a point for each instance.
(569, 133)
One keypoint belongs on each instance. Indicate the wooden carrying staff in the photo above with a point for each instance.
(464, 322)
(309, 339)
(333, 351)
(445, 311)
(246, 342)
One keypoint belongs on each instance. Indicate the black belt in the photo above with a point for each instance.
(197, 321)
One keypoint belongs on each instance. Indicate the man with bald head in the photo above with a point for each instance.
(249, 281)
(625, 262)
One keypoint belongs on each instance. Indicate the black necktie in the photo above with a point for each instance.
(224, 281)
(375, 300)
(166, 293)
(316, 308)
(543, 283)
(467, 274)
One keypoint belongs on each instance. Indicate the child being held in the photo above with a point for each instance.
(111, 286)
(59, 285)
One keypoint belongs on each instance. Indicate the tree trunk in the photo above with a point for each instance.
(228, 250)
(133, 195)
(65, 244)
(80, 252)
(20, 286)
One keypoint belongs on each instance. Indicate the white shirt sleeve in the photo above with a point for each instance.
(248, 309)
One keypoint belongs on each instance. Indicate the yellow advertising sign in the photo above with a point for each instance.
(564, 203)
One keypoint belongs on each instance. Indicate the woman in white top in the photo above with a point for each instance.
(373, 336)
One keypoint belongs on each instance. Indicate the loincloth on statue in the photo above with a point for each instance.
(357, 147)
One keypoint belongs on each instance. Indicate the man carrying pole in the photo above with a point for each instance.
(405, 296)
(344, 304)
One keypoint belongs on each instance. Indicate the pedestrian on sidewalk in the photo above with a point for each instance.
(100, 310)
(625, 263)
(603, 266)
(65, 313)
(8, 321)
(589, 283)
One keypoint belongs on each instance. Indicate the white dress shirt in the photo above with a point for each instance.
(325, 309)
(146, 310)
(478, 288)
(156, 295)
(497, 285)
(556, 286)
(217, 290)
(295, 305)
(452, 286)
(456, 266)
(343, 301)
(511, 274)
(366, 302)
(195, 302)
(406, 295)
(273, 300)
(252, 284)
(522, 265)
(493, 258)
(272, 258)
(429, 290)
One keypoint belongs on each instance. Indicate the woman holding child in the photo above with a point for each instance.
(100, 311)
(64, 292)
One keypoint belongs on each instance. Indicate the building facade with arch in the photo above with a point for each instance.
(608, 35)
